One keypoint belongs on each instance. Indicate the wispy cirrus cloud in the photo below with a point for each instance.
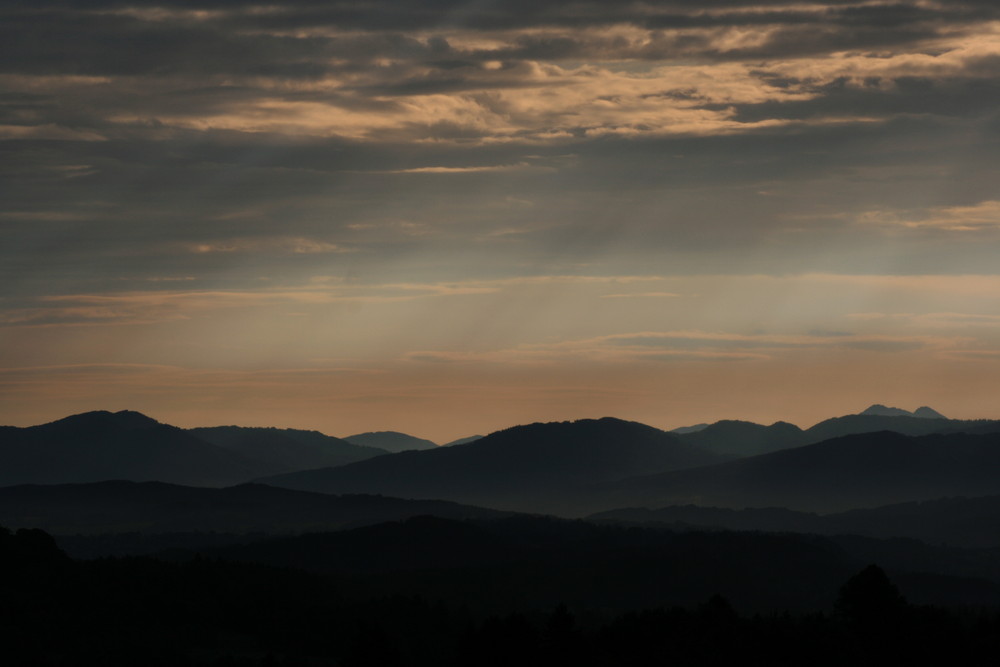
(298, 246)
(687, 346)
(978, 217)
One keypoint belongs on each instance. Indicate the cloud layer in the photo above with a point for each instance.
(178, 174)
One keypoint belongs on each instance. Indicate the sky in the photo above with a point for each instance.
(447, 217)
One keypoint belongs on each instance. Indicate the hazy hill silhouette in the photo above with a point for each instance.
(694, 428)
(533, 563)
(96, 446)
(390, 441)
(923, 412)
(856, 471)
(528, 468)
(967, 522)
(735, 439)
(963, 522)
(885, 411)
(463, 441)
(287, 449)
(695, 517)
(155, 507)
(906, 425)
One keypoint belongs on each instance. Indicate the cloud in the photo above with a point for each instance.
(496, 189)
(699, 339)
(976, 356)
(935, 320)
(982, 216)
(461, 170)
(682, 347)
(48, 132)
(536, 356)
(298, 246)
(642, 295)
(506, 73)
(163, 305)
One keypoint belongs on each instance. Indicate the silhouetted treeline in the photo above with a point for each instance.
(537, 562)
(143, 611)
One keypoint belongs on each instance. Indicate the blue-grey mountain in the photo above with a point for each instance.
(287, 449)
(154, 508)
(528, 468)
(955, 521)
(97, 446)
(865, 470)
(391, 441)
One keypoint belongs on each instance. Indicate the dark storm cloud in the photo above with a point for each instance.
(957, 97)
(239, 38)
(52, 43)
(516, 14)
(139, 206)
(132, 132)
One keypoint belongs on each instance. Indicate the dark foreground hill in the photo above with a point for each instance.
(206, 611)
(524, 562)
(534, 468)
(285, 450)
(855, 471)
(97, 446)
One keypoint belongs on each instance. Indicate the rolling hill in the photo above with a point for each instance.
(526, 468)
(287, 449)
(957, 521)
(155, 507)
(97, 446)
(737, 439)
(390, 441)
(538, 562)
(856, 471)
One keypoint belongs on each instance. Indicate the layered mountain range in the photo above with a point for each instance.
(124, 484)
(877, 457)
(574, 468)
(101, 445)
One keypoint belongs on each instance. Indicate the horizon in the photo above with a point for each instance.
(450, 218)
(493, 430)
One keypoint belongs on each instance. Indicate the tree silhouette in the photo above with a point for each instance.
(876, 614)
(869, 598)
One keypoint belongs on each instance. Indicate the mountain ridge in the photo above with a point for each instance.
(923, 412)
(287, 449)
(861, 470)
(390, 441)
(513, 468)
(99, 445)
(158, 507)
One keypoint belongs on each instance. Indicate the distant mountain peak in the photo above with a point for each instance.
(690, 429)
(922, 412)
(925, 412)
(123, 419)
(391, 441)
(134, 419)
(879, 410)
(463, 441)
